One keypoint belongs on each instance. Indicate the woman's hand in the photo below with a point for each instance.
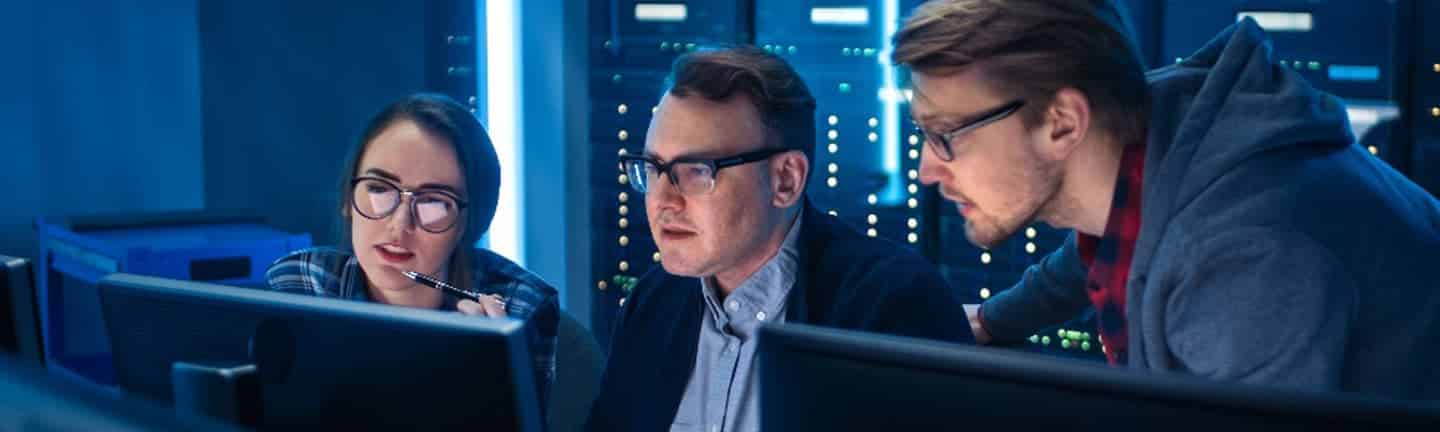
(489, 305)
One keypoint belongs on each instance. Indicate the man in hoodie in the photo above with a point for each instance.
(1225, 225)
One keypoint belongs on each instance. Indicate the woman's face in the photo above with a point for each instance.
(406, 156)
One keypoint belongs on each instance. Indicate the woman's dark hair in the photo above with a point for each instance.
(443, 117)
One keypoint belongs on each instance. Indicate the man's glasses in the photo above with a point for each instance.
(434, 211)
(942, 141)
(692, 176)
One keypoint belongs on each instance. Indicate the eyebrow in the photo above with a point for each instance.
(392, 177)
(943, 118)
(946, 119)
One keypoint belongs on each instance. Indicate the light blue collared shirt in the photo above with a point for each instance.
(722, 394)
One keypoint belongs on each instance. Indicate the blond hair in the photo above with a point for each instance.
(1034, 48)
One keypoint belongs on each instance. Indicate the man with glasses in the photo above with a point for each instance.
(1225, 223)
(724, 170)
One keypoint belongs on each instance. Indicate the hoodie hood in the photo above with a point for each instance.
(1227, 103)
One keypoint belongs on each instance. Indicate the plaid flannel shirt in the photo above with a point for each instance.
(330, 272)
(1108, 257)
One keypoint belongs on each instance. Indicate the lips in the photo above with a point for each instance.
(675, 233)
(393, 254)
(961, 206)
(964, 208)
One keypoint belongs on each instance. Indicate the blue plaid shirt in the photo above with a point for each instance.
(330, 272)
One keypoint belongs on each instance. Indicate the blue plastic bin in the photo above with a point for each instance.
(75, 253)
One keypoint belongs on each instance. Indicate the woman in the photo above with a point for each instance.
(418, 191)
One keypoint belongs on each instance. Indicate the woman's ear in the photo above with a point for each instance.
(788, 176)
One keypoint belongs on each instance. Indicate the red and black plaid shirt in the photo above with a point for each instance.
(1108, 257)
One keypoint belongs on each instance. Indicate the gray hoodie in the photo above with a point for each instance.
(1272, 249)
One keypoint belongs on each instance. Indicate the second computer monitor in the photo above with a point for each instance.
(819, 379)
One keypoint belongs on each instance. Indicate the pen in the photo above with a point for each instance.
(432, 282)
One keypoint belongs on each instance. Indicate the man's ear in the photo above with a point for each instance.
(1067, 122)
(788, 172)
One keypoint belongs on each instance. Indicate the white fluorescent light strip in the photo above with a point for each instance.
(1365, 115)
(845, 16)
(660, 12)
(892, 95)
(503, 109)
(1281, 21)
(890, 115)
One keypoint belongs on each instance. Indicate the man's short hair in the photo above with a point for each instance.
(784, 103)
(1032, 49)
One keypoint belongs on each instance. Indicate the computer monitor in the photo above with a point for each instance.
(19, 320)
(326, 362)
(819, 379)
(32, 400)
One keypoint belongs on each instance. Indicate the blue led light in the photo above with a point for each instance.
(1354, 73)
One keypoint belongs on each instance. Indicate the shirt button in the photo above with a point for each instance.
(760, 315)
(733, 306)
(714, 428)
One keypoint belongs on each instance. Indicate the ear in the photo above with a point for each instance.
(788, 173)
(1067, 122)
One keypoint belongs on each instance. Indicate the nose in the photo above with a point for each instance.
(664, 195)
(402, 219)
(932, 169)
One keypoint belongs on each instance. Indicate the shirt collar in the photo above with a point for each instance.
(769, 287)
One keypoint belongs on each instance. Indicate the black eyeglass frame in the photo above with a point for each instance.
(942, 141)
(460, 204)
(715, 165)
